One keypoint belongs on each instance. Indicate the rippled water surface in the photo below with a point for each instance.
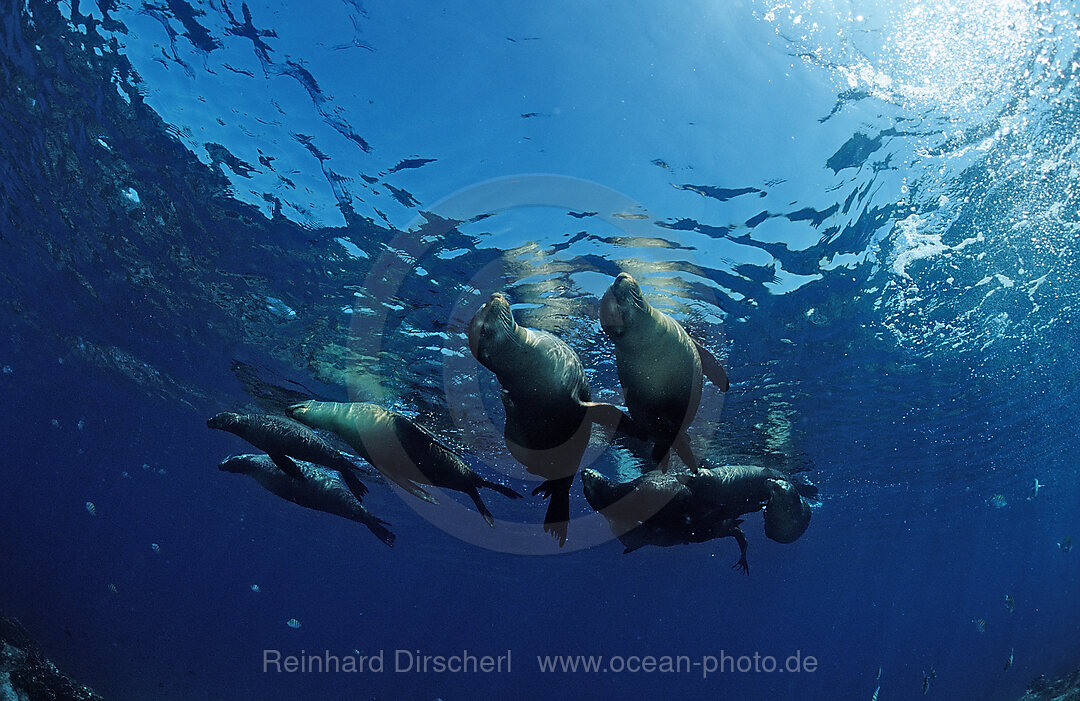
(867, 210)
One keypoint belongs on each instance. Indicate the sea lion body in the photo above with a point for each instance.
(283, 439)
(549, 407)
(321, 490)
(657, 509)
(740, 486)
(400, 449)
(660, 367)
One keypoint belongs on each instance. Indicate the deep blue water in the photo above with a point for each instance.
(869, 211)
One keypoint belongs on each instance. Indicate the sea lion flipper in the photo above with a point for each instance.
(475, 495)
(742, 564)
(711, 367)
(685, 452)
(414, 489)
(557, 518)
(286, 465)
(614, 418)
(501, 489)
(379, 529)
(358, 488)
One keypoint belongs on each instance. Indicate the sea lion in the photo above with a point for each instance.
(739, 486)
(660, 368)
(320, 489)
(283, 439)
(549, 407)
(787, 515)
(657, 509)
(403, 451)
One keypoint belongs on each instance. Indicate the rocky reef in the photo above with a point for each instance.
(1065, 689)
(26, 674)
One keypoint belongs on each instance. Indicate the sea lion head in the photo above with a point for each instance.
(491, 327)
(787, 515)
(622, 305)
(237, 464)
(223, 421)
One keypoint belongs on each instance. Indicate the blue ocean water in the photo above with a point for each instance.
(867, 210)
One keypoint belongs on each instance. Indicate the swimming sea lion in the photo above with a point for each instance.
(740, 486)
(657, 509)
(787, 515)
(282, 439)
(403, 451)
(549, 408)
(660, 367)
(320, 489)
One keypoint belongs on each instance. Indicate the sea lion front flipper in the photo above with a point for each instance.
(414, 489)
(475, 495)
(685, 452)
(286, 465)
(358, 488)
(711, 367)
(614, 418)
(501, 489)
(379, 529)
(740, 538)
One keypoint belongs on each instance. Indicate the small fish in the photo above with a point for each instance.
(1008, 662)
(1010, 603)
(292, 623)
(998, 501)
(112, 588)
(255, 588)
(879, 670)
(155, 547)
(91, 509)
(874, 697)
(980, 624)
(1066, 544)
(1035, 488)
(926, 679)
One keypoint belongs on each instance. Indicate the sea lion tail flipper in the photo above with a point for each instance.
(500, 488)
(358, 488)
(557, 518)
(742, 564)
(475, 495)
(808, 491)
(614, 418)
(711, 367)
(286, 465)
(379, 529)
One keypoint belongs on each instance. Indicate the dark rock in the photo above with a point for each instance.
(27, 674)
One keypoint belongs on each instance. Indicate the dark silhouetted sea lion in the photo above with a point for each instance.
(657, 509)
(283, 439)
(404, 452)
(320, 489)
(549, 408)
(660, 367)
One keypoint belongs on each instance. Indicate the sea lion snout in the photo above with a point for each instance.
(620, 300)
(231, 464)
(493, 321)
(221, 421)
